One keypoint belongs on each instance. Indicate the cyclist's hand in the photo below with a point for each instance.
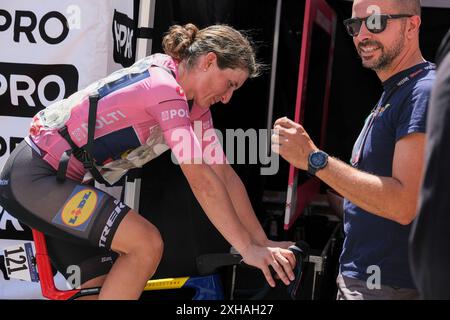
(281, 260)
(280, 244)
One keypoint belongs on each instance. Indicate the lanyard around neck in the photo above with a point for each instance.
(376, 112)
(399, 84)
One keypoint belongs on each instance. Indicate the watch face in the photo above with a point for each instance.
(318, 159)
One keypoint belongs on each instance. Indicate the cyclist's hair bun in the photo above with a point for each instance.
(178, 39)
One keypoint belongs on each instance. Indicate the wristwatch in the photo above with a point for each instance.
(317, 160)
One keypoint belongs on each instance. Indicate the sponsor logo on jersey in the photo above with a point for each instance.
(78, 210)
(174, 113)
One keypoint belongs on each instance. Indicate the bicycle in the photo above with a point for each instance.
(207, 286)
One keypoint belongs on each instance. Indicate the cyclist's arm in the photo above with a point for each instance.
(241, 202)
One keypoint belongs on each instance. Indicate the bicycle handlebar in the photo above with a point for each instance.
(301, 252)
(209, 263)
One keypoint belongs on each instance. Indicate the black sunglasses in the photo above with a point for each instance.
(377, 23)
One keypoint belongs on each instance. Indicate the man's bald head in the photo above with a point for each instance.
(409, 6)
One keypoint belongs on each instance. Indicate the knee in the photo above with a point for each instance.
(150, 245)
(138, 238)
(155, 242)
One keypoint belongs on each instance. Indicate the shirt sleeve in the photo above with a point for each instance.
(413, 116)
(173, 118)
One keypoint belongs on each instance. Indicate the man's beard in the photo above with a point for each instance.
(387, 55)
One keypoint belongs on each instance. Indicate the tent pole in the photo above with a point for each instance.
(132, 190)
(273, 75)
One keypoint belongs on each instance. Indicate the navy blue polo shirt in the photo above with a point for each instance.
(372, 240)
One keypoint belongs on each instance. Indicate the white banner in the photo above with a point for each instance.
(51, 49)
(12, 131)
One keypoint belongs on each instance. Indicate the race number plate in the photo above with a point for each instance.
(19, 262)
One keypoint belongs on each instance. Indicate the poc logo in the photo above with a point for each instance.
(124, 39)
(26, 23)
(172, 113)
(25, 89)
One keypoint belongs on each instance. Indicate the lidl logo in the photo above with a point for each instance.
(79, 208)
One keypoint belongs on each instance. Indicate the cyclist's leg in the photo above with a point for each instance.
(93, 263)
(121, 276)
(140, 246)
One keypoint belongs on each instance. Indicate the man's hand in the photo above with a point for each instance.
(292, 142)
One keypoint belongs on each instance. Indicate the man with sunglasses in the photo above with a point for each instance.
(381, 184)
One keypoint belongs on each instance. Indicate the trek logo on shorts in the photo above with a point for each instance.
(4, 182)
(78, 210)
(117, 210)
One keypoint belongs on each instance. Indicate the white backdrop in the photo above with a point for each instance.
(50, 49)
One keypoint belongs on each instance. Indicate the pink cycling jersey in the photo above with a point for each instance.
(141, 112)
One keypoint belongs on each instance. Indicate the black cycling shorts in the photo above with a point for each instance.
(79, 221)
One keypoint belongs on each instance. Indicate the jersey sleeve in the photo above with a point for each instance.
(173, 118)
(167, 105)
